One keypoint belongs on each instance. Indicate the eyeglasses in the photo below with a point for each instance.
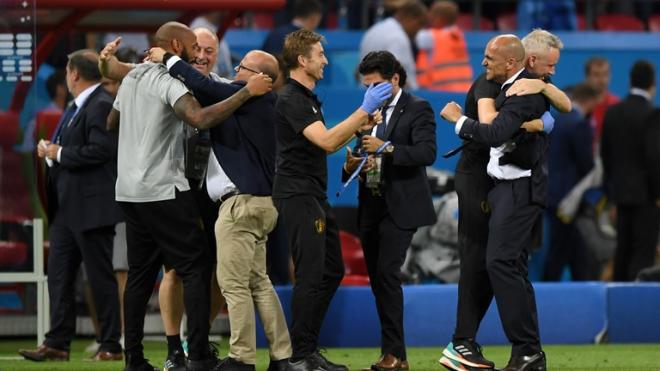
(237, 69)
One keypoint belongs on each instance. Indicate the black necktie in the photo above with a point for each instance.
(380, 130)
(67, 116)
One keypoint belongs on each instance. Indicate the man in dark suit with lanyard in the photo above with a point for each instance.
(394, 206)
(82, 213)
(518, 168)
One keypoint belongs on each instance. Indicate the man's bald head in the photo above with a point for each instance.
(509, 46)
(503, 57)
(177, 38)
(444, 13)
(258, 61)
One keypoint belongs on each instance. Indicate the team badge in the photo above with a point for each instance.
(319, 225)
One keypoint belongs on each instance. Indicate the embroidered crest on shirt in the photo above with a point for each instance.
(319, 225)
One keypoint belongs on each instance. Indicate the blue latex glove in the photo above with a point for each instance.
(375, 96)
(548, 122)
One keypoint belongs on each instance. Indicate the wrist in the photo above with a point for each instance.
(166, 57)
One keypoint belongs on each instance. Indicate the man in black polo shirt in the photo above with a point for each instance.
(299, 191)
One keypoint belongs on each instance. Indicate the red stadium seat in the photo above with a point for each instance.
(8, 129)
(13, 253)
(654, 23)
(581, 22)
(618, 22)
(356, 268)
(507, 22)
(464, 22)
(46, 124)
(263, 21)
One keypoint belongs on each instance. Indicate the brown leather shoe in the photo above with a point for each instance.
(44, 353)
(388, 362)
(107, 356)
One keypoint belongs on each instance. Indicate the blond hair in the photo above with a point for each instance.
(541, 41)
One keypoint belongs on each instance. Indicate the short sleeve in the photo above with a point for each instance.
(170, 89)
(424, 40)
(298, 112)
(486, 89)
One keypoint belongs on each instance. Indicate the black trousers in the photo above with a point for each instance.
(567, 248)
(68, 248)
(512, 220)
(167, 232)
(637, 238)
(385, 246)
(313, 238)
(474, 288)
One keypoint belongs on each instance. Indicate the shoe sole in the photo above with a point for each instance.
(462, 360)
(450, 364)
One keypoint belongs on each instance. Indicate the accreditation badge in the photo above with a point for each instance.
(375, 175)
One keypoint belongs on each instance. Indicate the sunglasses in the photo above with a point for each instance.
(237, 69)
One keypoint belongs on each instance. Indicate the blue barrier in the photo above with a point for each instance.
(569, 313)
(633, 312)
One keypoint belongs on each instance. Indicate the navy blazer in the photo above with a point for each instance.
(244, 144)
(570, 157)
(81, 188)
(531, 151)
(411, 129)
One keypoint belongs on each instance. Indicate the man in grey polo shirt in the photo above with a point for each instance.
(161, 213)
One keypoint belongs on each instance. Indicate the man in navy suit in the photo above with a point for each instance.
(570, 158)
(519, 170)
(240, 179)
(82, 212)
(391, 210)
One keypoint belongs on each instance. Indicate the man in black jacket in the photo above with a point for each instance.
(391, 209)
(628, 172)
(516, 199)
(240, 178)
(82, 213)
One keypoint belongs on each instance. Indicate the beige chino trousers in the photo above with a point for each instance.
(241, 231)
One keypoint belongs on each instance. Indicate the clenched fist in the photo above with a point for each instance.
(452, 112)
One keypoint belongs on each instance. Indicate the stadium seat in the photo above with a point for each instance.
(464, 22)
(356, 268)
(263, 21)
(8, 129)
(46, 124)
(12, 254)
(618, 22)
(507, 22)
(654, 23)
(581, 22)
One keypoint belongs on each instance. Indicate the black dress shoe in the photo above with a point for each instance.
(280, 365)
(231, 364)
(308, 363)
(535, 362)
(326, 364)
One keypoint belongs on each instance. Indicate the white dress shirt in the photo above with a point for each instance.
(389, 109)
(79, 101)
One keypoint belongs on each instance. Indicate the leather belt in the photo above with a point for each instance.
(228, 195)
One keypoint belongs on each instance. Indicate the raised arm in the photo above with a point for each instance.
(557, 98)
(110, 66)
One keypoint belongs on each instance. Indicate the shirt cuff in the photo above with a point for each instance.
(172, 60)
(459, 124)
(59, 154)
(49, 162)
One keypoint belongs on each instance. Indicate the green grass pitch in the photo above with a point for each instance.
(619, 357)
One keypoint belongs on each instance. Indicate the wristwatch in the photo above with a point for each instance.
(389, 149)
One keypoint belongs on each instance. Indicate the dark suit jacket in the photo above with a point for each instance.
(531, 148)
(653, 151)
(570, 157)
(244, 144)
(411, 129)
(626, 171)
(81, 187)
